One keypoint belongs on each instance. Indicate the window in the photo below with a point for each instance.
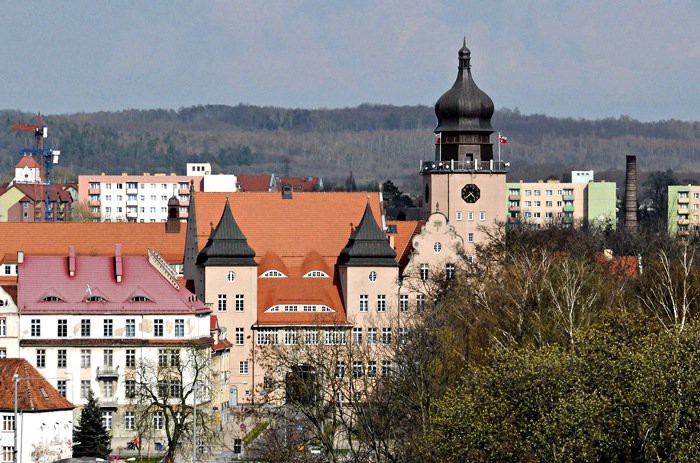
(403, 335)
(107, 357)
(179, 327)
(222, 303)
(371, 335)
(239, 336)
(41, 358)
(8, 423)
(243, 367)
(130, 388)
(372, 276)
(437, 247)
(538, 203)
(449, 271)
(62, 328)
(62, 358)
(36, 327)
(240, 302)
(386, 367)
(336, 337)
(357, 335)
(424, 272)
(386, 335)
(107, 328)
(131, 358)
(158, 327)
(470, 237)
(340, 369)
(403, 302)
(3, 353)
(371, 368)
(61, 387)
(470, 216)
(267, 336)
(364, 303)
(129, 420)
(358, 370)
(381, 303)
(8, 453)
(458, 215)
(290, 337)
(548, 204)
(84, 388)
(85, 328)
(107, 420)
(528, 192)
(130, 329)
(482, 216)
(273, 274)
(158, 420)
(237, 446)
(311, 337)
(85, 358)
(420, 302)
(3, 327)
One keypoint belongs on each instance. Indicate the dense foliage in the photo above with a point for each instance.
(90, 437)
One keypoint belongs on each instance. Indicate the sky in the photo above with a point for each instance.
(584, 59)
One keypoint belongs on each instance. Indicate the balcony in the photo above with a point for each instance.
(683, 232)
(569, 208)
(568, 197)
(183, 191)
(683, 221)
(513, 219)
(93, 191)
(514, 209)
(447, 167)
(132, 202)
(132, 213)
(132, 191)
(94, 202)
(683, 210)
(104, 372)
(683, 200)
(108, 403)
(567, 219)
(514, 197)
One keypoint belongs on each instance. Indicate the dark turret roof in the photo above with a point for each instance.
(173, 201)
(368, 245)
(464, 107)
(227, 245)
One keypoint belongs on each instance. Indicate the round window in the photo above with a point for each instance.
(230, 276)
(372, 276)
(437, 247)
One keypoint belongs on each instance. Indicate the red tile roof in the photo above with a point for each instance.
(34, 394)
(42, 276)
(299, 183)
(28, 161)
(405, 231)
(90, 239)
(254, 182)
(36, 192)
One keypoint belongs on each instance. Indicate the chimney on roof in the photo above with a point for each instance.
(20, 257)
(631, 194)
(118, 267)
(71, 260)
(286, 191)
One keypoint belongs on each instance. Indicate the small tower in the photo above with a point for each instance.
(173, 223)
(464, 182)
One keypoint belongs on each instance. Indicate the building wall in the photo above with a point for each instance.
(27, 175)
(9, 326)
(683, 209)
(42, 436)
(7, 200)
(445, 196)
(602, 204)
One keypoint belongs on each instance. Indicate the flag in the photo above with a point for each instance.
(503, 140)
(438, 139)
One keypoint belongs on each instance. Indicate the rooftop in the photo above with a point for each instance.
(34, 394)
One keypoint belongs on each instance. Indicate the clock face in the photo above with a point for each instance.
(471, 193)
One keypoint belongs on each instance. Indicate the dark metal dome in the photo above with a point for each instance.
(464, 107)
(173, 201)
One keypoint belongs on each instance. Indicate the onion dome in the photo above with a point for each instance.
(227, 245)
(368, 245)
(464, 107)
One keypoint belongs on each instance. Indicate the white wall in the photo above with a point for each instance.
(42, 437)
(9, 340)
(223, 183)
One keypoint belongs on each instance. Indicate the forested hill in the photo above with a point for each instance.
(376, 142)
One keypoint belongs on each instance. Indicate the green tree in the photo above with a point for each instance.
(90, 436)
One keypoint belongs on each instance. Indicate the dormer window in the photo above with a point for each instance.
(52, 299)
(140, 299)
(273, 274)
(316, 274)
(96, 299)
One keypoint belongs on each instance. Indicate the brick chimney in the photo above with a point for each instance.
(631, 194)
(71, 260)
(118, 265)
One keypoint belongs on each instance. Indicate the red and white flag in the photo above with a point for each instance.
(438, 139)
(502, 140)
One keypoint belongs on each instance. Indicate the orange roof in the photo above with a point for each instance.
(254, 182)
(89, 239)
(405, 231)
(271, 261)
(299, 291)
(33, 395)
(299, 183)
(28, 161)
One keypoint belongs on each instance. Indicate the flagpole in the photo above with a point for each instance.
(499, 148)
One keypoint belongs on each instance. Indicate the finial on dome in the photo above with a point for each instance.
(465, 56)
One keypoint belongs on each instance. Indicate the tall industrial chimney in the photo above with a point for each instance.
(631, 194)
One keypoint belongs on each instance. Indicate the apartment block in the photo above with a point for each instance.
(546, 203)
(683, 210)
(144, 198)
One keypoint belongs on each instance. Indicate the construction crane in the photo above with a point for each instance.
(50, 156)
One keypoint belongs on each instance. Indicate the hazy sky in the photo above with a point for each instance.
(564, 58)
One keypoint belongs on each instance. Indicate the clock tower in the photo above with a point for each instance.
(464, 182)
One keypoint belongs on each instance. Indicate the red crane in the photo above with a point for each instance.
(39, 130)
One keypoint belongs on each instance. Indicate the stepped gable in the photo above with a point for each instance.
(33, 395)
(368, 245)
(227, 245)
(464, 107)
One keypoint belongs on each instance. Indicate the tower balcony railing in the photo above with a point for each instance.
(476, 165)
(685, 200)
(568, 208)
(514, 197)
(683, 221)
(107, 372)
